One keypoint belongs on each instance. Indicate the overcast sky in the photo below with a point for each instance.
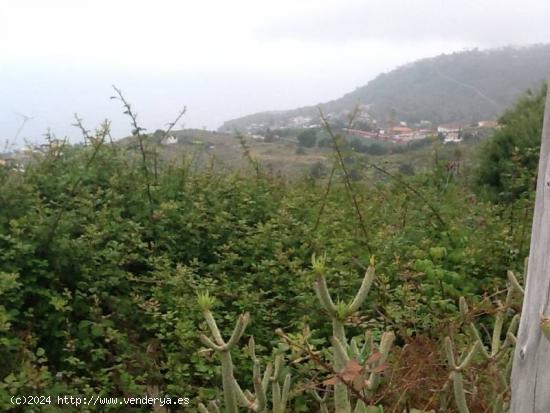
(224, 59)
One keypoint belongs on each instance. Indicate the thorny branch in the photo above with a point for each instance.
(347, 178)
(413, 190)
(314, 356)
(137, 133)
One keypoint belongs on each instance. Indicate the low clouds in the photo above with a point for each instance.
(485, 23)
(226, 59)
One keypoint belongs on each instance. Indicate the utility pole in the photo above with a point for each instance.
(531, 366)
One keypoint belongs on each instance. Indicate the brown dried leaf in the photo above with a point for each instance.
(353, 366)
(380, 368)
(351, 371)
(374, 358)
(359, 382)
(331, 381)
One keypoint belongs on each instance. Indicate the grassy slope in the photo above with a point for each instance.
(224, 151)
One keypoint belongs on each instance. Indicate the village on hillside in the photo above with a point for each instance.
(364, 126)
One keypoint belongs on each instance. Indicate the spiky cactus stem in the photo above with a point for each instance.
(231, 390)
(493, 354)
(456, 373)
(386, 342)
(280, 396)
(321, 400)
(213, 408)
(338, 313)
(234, 396)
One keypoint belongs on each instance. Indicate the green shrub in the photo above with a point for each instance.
(509, 160)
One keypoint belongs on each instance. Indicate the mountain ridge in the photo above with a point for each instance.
(466, 86)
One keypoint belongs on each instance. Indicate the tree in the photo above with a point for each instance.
(509, 160)
(308, 138)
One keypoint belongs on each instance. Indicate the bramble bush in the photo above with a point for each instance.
(103, 251)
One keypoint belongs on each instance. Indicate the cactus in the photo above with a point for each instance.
(341, 350)
(279, 395)
(234, 396)
(386, 342)
(493, 354)
(213, 408)
(456, 373)
(321, 400)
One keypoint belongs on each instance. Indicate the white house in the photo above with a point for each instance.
(452, 137)
(450, 132)
(169, 140)
(449, 127)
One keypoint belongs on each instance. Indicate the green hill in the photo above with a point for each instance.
(465, 86)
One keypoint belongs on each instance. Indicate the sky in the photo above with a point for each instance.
(222, 59)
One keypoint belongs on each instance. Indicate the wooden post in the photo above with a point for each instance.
(531, 368)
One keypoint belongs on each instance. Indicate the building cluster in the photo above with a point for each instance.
(295, 122)
(397, 134)
(367, 127)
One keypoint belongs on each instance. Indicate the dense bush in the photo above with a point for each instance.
(509, 161)
(308, 138)
(103, 252)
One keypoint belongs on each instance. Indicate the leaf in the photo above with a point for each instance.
(352, 367)
(350, 373)
(359, 382)
(331, 381)
(97, 331)
(374, 357)
(380, 368)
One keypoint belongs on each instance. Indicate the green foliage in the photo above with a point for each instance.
(308, 138)
(371, 149)
(103, 255)
(406, 169)
(509, 161)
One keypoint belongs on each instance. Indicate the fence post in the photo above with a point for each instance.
(531, 368)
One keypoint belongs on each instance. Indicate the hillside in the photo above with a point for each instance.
(460, 87)
(223, 151)
(284, 156)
